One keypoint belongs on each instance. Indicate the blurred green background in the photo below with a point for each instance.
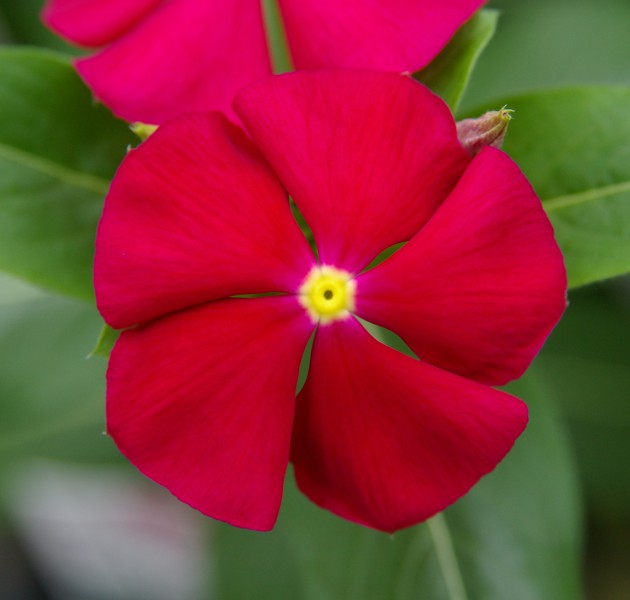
(51, 397)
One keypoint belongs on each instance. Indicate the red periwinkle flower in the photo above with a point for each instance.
(201, 392)
(161, 58)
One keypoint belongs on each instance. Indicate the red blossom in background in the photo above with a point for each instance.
(161, 58)
(201, 392)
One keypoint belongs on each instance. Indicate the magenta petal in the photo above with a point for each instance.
(366, 156)
(481, 286)
(187, 56)
(387, 35)
(202, 402)
(95, 22)
(194, 214)
(387, 441)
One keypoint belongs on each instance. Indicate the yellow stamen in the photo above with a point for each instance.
(327, 294)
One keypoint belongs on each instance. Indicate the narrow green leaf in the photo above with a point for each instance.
(450, 71)
(58, 151)
(105, 342)
(573, 146)
(516, 536)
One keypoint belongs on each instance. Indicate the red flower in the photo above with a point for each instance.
(201, 392)
(162, 58)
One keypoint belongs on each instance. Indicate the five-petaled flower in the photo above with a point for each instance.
(201, 386)
(161, 58)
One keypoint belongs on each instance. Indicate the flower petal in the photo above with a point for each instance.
(482, 285)
(202, 402)
(194, 214)
(187, 56)
(367, 157)
(386, 440)
(387, 35)
(95, 22)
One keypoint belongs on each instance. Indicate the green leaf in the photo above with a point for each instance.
(51, 397)
(450, 71)
(12, 290)
(260, 566)
(592, 381)
(544, 44)
(573, 146)
(516, 536)
(58, 151)
(22, 22)
(105, 342)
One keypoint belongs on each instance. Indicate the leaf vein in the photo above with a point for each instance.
(570, 200)
(86, 181)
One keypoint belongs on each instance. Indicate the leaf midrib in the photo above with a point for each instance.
(586, 196)
(71, 177)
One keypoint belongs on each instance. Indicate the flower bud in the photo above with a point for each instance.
(487, 130)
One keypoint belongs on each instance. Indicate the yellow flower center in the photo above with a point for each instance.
(327, 294)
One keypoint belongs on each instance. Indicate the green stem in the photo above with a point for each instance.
(446, 557)
(276, 38)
